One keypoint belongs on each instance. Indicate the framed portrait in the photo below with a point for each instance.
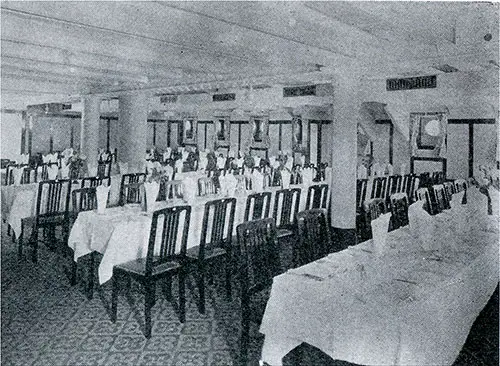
(260, 132)
(222, 132)
(189, 131)
(428, 133)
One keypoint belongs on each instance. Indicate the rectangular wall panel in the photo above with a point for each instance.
(174, 130)
(150, 134)
(313, 143)
(485, 141)
(274, 138)
(233, 137)
(458, 151)
(161, 135)
(210, 136)
(286, 138)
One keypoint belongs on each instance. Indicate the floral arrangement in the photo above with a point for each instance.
(77, 165)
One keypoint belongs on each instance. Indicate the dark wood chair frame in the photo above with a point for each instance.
(170, 261)
(315, 240)
(317, 196)
(261, 206)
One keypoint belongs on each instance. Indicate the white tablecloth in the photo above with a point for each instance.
(19, 202)
(404, 307)
(121, 233)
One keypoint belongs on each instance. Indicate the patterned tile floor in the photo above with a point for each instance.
(47, 322)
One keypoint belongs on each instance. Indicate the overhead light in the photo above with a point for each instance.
(445, 68)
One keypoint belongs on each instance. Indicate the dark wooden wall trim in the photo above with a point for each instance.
(475, 121)
(471, 149)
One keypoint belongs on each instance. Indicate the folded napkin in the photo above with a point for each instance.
(189, 189)
(168, 171)
(185, 155)
(179, 165)
(232, 183)
(328, 174)
(52, 171)
(273, 162)
(380, 227)
(362, 172)
(151, 190)
(64, 170)
(257, 181)
(390, 169)
(149, 166)
(102, 197)
(221, 162)
(307, 176)
(17, 174)
(422, 226)
(375, 169)
(167, 153)
(285, 179)
(203, 162)
(289, 163)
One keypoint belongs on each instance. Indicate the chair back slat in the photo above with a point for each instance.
(258, 257)
(165, 233)
(422, 194)
(84, 199)
(317, 196)
(361, 188)
(53, 197)
(95, 181)
(286, 207)
(129, 188)
(206, 186)
(218, 223)
(258, 206)
(314, 235)
(104, 169)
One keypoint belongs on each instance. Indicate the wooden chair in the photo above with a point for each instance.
(372, 209)
(399, 209)
(160, 262)
(130, 194)
(423, 195)
(314, 236)
(83, 199)
(215, 243)
(104, 169)
(173, 189)
(206, 186)
(258, 263)
(449, 189)
(52, 211)
(317, 196)
(439, 198)
(285, 209)
(95, 181)
(257, 206)
(460, 185)
(412, 187)
(361, 188)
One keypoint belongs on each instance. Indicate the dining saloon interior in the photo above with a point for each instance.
(249, 183)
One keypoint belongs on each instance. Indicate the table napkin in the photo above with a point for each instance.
(179, 165)
(285, 178)
(151, 190)
(257, 181)
(17, 173)
(422, 226)
(167, 153)
(52, 171)
(307, 176)
(64, 170)
(189, 189)
(221, 162)
(289, 163)
(380, 227)
(102, 197)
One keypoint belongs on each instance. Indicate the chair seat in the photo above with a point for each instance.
(138, 267)
(193, 252)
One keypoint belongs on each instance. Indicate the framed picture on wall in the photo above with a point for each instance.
(222, 132)
(189, 131)
(428, 133)
(260, 132)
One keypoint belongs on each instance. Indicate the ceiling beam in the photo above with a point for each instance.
(26, 14)
(255, 29)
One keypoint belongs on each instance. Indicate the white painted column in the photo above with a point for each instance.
(132, 121)
(89, 132)
(346, 108)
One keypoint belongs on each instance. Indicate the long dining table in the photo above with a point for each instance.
(19, 201)
(121, 234)
(405, 306)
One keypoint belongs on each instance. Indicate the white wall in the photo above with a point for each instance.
(11, 127)
(464, 95)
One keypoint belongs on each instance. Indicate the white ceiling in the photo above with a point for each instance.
(57, 51)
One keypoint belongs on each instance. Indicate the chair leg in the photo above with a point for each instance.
(72, 276)
(227, 269)
(20, 242)
(8, 230)
(245, 335)
(114, 297)
(90, 285)
(201, 288)
(148, 304)
(34, 240)
(182, 295)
